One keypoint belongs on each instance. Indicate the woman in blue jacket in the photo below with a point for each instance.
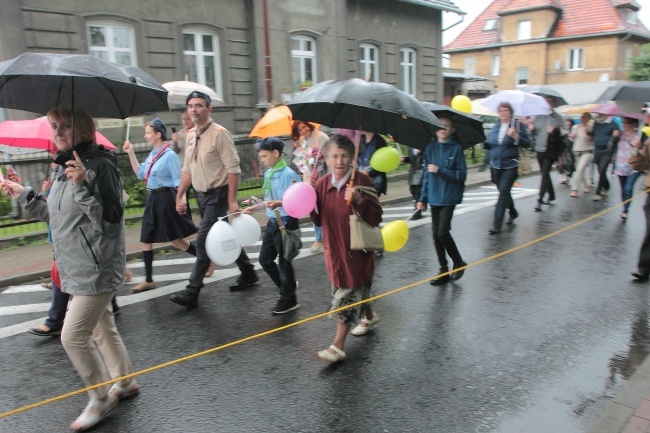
(504, 141)
(443, 184)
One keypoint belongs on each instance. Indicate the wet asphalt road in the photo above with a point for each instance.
(536, 341)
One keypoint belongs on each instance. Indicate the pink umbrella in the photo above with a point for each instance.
(612, 109)
(35, 134)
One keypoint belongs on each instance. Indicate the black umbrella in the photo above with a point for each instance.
(366, 106)
(374, 107)
(545, 91)
(38, 82)
(469, 129)
(630, 98)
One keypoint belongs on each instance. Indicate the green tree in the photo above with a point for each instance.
(640, 66)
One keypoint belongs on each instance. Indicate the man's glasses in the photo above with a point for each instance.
(197, 106)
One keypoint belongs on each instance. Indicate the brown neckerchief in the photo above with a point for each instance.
(198, 137)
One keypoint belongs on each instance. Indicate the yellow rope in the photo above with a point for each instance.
(317, 316)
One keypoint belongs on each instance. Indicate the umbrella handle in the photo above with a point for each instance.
(128, 127)
(357, 142)
(639, 133)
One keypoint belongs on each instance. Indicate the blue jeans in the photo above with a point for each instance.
(504, 178)
(281, 273)
(58, 308)
(213, 206)
(627, 188)
(318, 233)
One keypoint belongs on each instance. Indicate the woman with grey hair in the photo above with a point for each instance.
(350, 271)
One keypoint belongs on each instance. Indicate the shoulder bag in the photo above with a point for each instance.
(363, 236)
(525, 165)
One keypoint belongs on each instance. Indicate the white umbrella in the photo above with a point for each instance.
(178, 91)
(523, 103)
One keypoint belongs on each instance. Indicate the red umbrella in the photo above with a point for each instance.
(36, 134)
(612, 109)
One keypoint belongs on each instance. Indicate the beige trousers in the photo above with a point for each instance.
(93, 343)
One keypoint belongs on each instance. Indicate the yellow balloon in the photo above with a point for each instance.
(395, 235)
(461, 103)
(385, 159)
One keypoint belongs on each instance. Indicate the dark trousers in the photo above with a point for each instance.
(602, 160)
(58, 308)
(644, 255)
(504, 179)
(545, 165)
(441, 226)
(415, 191)
(213, 207)
(281, 273)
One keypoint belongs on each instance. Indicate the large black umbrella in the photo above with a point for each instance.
(374, 107)
(469, 129)
(545, 91)
(38, 82)
(635, 95)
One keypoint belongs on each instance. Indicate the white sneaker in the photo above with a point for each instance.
(363, 330)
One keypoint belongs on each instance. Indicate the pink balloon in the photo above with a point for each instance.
(299, 200)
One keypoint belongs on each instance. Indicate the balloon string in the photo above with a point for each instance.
(412, 215)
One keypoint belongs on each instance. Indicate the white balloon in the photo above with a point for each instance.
(247, 228)
(222, 244)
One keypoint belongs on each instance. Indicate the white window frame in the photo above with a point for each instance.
(408, 67)
(490, 24)
(366, 64)
(303, 54)
(629, 15)
(519, 72)
(575, 59)
(496, 65)
(524, 30)
(201, 56)
(110, 50)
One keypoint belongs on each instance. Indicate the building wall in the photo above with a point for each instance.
(541, 23)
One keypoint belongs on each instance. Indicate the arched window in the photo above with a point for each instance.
(202, 58)
(408, 70)
(112, 41)
(369, 60)
(303, 61)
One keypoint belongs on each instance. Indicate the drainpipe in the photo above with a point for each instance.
(268, 75)
(618, 53)
(462, 18)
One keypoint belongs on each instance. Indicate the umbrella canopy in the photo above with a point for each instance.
(469, 129)
(523, 104)
(374, 107)
(178, 91)
(38, 82)
(611, 109)
(629, 97)
(276, 122)
(36, 134)
(577, 109)
(545, 91)
(480, 110)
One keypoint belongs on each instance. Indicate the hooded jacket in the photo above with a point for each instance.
(87, 223)
(444, 188)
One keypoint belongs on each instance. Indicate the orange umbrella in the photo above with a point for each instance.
(276, 122)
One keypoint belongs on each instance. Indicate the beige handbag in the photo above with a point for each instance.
(363, 236)
(525, 165)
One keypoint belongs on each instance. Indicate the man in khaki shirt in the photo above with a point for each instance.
(211, 166)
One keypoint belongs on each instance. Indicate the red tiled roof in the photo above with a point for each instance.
(577, 19)
(516, 5)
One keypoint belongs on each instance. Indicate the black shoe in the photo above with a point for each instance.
(538, 208)
(494, 230)
(185, 298)
(41, 333)
(284, 306)
(512, 218)
(456, 275)
(244, 281)
(481, 169)
(438, 281)
(641, 275)
(116, 310)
